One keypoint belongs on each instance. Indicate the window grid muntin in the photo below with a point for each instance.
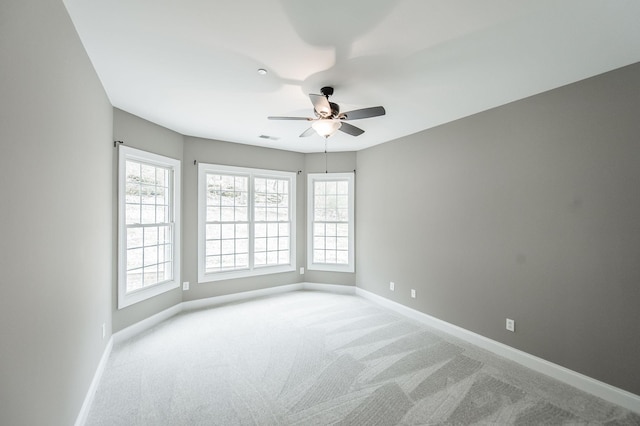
(230, 234)
(288, 179)
(330, 228)
(272, 221)
(147, 187)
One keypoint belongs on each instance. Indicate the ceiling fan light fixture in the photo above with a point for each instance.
(326, 127)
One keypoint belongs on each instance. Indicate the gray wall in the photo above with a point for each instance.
(231, 154)
(528, 211)
(55, 216)
(334, 162)
(142, 134)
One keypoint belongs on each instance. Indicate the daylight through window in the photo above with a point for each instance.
(148, 231)
(330, 220)
(246, 222)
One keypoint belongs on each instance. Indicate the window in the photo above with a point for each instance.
(148, 225)
(330, 217)
(246, 221)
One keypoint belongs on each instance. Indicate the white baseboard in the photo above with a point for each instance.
(93, 387)
(580, 381)
(146, 323)
(607, 392)
(236, 297)
(331, 288)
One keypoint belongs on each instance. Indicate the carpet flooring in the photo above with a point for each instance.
(315, 358)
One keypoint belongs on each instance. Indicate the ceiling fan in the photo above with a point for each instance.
(329, 119)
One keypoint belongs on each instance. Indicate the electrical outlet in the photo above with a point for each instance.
(413, 293)
(392, 286)
(104, 330)
(302, 271)
(185, 285)
(511, 325)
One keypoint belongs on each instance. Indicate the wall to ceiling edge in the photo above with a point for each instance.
(528, 211)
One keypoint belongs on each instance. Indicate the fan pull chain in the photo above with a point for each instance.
(326, 170)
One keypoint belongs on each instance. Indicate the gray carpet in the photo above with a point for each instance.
(314, 358)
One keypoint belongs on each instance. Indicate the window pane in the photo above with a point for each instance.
(227, 214)
(260, 259)
(148, 214)
(229, 202)
(241, 214)
(283, 214)
(134, 237)
(242, 260)
(228, 231)
(260, 244)
(242, 231)
(134, 258)
(132, 214)
(213, 214)
(228, 261)
(331, 188)
(213, 232)
(213, 248)
(283, 243)
(330, 243)
(150, 236)
(330, 232)
(134, 280)
(342, 243)
(242, 246)
(228, 247)
(150, 256)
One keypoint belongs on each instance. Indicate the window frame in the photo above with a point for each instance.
(330, 267)
(126, 153)
(252, 174)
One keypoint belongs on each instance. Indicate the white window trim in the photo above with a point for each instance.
(315, 177)
(127, 153)
(203, 169)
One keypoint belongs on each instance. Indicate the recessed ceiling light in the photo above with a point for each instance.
(262, 71)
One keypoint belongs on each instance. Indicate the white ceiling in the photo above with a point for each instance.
(191, 65)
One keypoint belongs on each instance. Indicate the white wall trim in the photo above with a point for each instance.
(93, 387)
(331, 288)
(580, 381)
(147, 323)
(235, 297)
(587, 384)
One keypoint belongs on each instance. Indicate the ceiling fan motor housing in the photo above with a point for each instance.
(327, 91)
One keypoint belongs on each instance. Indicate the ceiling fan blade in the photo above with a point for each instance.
(307, 132)
(351, 129)
(357, 114)
(321, 105)
(290, 118)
